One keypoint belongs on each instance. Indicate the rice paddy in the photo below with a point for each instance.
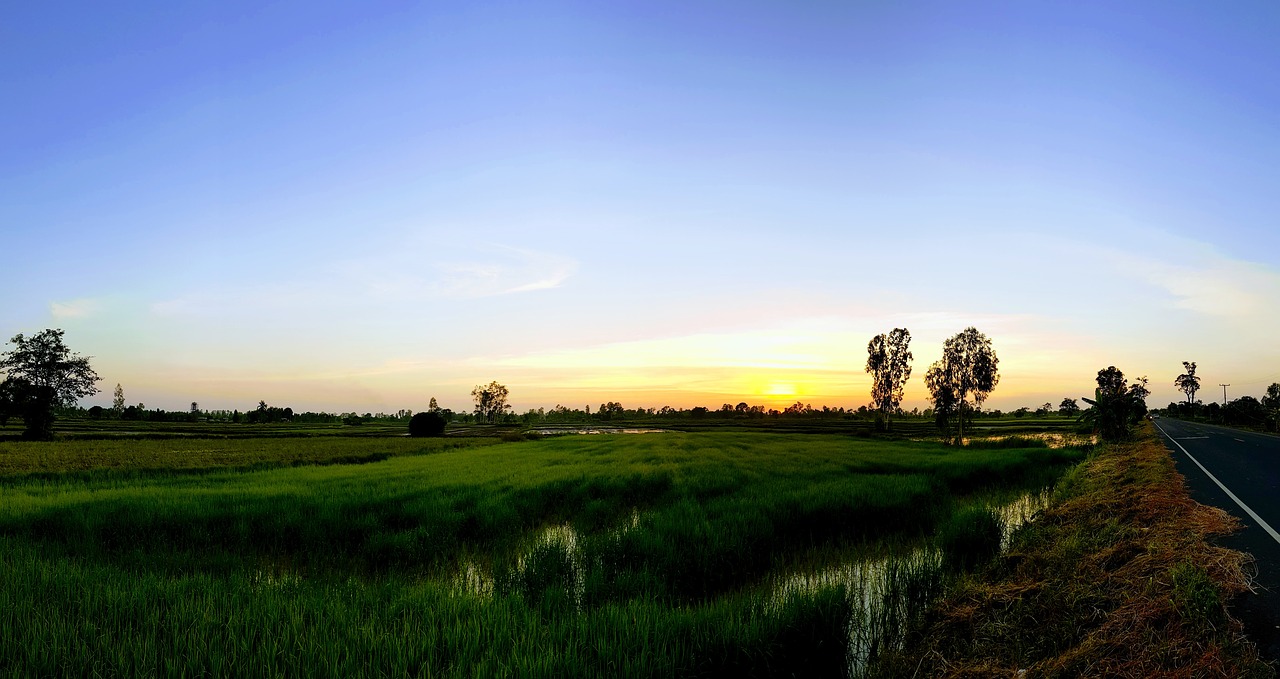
(664, 554)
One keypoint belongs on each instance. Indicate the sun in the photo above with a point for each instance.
(779, 389)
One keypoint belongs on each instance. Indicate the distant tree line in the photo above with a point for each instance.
(1246, 411)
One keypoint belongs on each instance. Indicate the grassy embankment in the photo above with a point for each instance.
(650, 555)
(1116, 579)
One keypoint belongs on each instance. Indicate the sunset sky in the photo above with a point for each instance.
(359, 206)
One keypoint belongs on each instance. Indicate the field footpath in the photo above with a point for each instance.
(1118, 579)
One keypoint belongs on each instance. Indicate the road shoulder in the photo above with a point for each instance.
(1119, 577)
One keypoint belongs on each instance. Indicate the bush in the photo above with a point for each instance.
(426, 424)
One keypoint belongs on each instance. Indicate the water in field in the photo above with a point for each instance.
(553, 557)
(1051, 439)
(557, 431)
(887, 592)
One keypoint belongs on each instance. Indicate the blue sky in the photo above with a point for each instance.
(358, 206)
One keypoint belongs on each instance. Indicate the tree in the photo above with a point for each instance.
(1187, 382)
(968, 369)
(46, 375)
(430, 423)
(10, 399)
(1068, 407)
(610, 410)
(1245, 410)
(491, 402)
(433, 407)
(117, 403)
(1116, 406)
(1272, 399)
(889, 362)
(1271, 402)
(1111, 381)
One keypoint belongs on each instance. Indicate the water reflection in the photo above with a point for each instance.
(1022, 510)
(557, 431)
(553, 559)
(885, 593)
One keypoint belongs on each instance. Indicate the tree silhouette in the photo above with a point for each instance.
(430, 423)
(1116, 405)
(1272, 399)
(1271, 402)
(1140, 388)
(968, 369)
(491, 402)
(10, 399)
(117, 403)
(1068, 407)
(889, 362)
(46, 375)
(1111, 381)
(1187, 382)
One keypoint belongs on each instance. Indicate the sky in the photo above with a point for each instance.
(360, 206)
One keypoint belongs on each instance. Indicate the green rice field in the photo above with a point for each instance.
(668, 554)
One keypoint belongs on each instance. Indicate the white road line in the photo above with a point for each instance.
(1192, 438)
(1240, 440)
(1265, 526)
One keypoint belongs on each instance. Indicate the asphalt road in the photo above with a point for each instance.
(1246, 467)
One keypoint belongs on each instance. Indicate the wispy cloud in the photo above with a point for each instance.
(76, 308)
(1200, 279)
(484, 271)
(392, 278)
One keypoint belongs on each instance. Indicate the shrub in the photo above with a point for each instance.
(426, 424)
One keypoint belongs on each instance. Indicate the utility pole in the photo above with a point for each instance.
(1224, 394)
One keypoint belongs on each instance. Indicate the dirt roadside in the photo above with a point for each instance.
(1117, 579)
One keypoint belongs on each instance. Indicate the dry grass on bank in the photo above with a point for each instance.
(1117, 579)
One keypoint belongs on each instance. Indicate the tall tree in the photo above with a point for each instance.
(10, 399)
(1271, 402)
(889, 362)
(117, 403)
(491, 402)
(1141, 388)
(1272, 399)
(1116, 405)
(1187, 382)
(1111, 381)
(48, 376)
(968, 369)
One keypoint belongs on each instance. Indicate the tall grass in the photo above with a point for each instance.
(640, 556)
